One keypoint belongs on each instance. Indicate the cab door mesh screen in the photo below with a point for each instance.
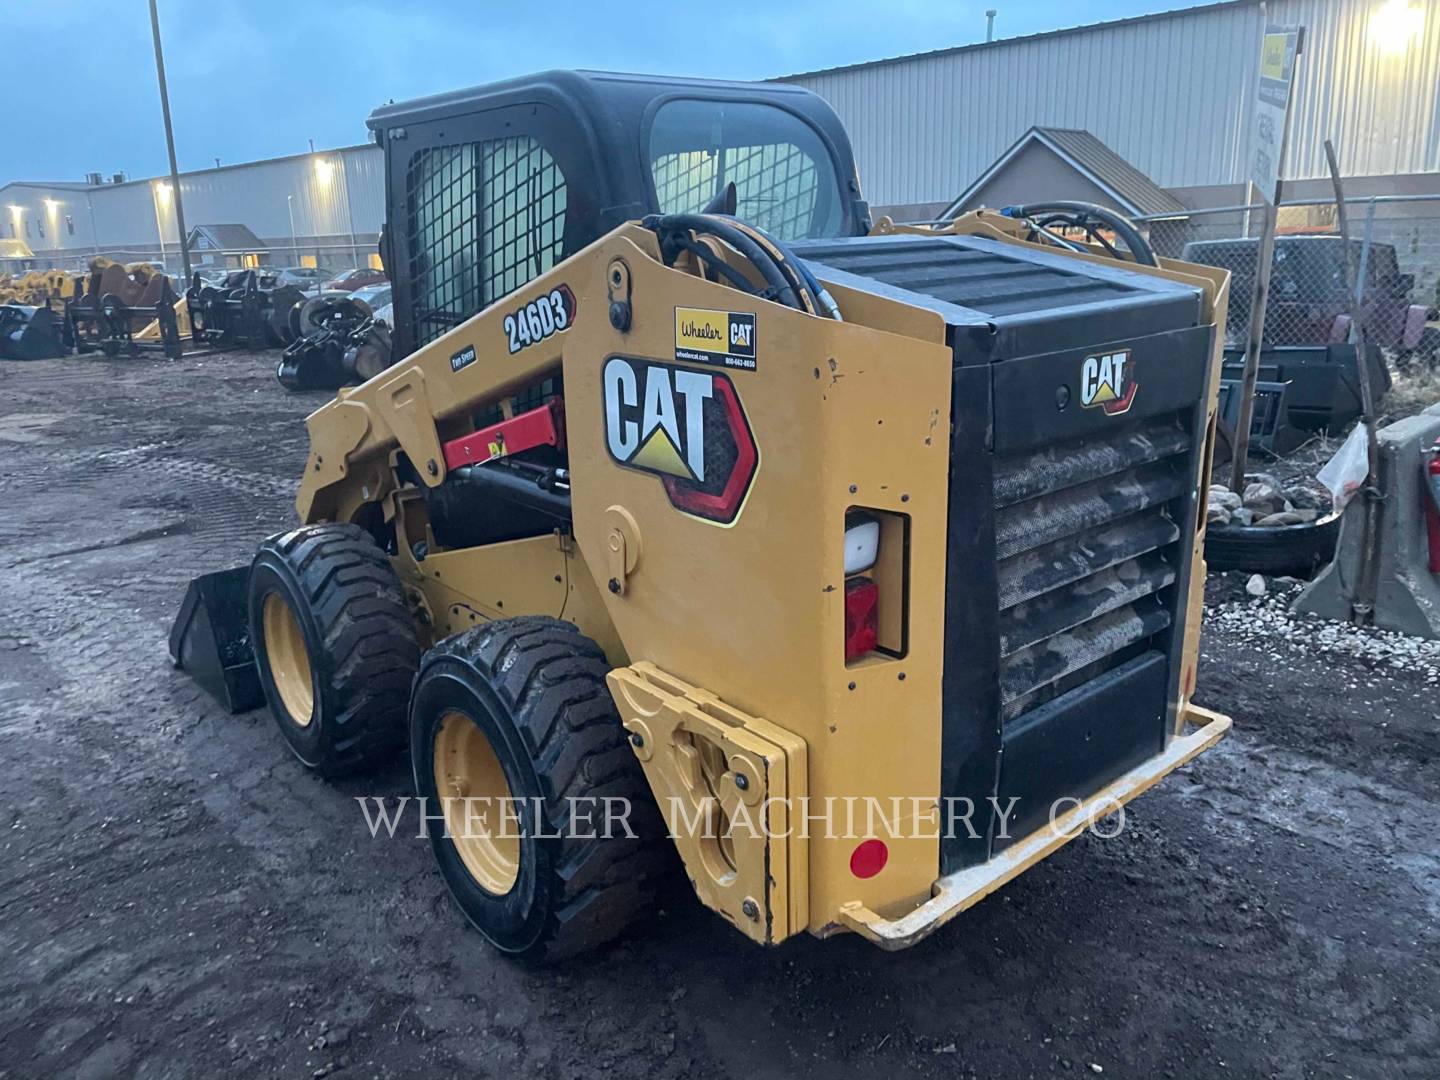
(776, 185)
(484, 219)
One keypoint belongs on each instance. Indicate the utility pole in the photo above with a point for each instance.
(170, 142)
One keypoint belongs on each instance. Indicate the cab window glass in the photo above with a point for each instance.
(784, 179)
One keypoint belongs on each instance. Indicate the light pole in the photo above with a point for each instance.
(294, 243)
(157, 196)
(349, 212)
(94, 235)
(169, 143)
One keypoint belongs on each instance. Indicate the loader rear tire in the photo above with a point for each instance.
(335, 645)
(518, 709)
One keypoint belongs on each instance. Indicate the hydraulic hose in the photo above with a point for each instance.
(671, 228)
(822, 301)
(1080, 215)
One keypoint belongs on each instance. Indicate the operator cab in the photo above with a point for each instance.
(490, 187)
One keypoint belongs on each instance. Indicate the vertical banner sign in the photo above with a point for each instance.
(1278, 51)
(1277, 70)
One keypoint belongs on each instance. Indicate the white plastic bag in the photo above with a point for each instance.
(1345, 473)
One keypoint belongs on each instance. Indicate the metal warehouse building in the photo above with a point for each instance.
(1169, 93)
(323, 207)
(1169, 96)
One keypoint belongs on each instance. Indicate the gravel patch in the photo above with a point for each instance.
(1267, 620)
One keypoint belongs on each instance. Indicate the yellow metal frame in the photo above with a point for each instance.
(727, 642)
(964, 889)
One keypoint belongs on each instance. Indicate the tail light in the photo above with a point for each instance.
(862, 617)
(862, 542)
(862, 595)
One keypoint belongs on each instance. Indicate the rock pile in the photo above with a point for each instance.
(1266, 501)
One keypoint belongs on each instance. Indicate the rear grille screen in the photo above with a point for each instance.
(1088, 545)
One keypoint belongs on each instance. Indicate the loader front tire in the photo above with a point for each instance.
(335, 645)
(517, 712)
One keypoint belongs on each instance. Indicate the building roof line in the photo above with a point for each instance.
(999, 42)
(70, 185)
(1090, 157)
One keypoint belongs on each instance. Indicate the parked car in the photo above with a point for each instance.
(307, 278)
(375, 296)
(355, 278)
(1308, 302)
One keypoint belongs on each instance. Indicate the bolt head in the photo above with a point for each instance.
(636, 739)
(742, 781)
(614, 585)
(751, 909)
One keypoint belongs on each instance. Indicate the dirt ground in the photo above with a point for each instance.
(178, 897)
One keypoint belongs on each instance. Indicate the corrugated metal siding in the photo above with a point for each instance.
(1169, 94)
(130, 216)
(256, 195)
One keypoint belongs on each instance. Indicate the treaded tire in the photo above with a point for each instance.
(1289, 550)
(359, 638)
(535, 687)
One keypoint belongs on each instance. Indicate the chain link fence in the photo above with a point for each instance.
(1393, 255)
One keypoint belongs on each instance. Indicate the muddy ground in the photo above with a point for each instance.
(179, 898)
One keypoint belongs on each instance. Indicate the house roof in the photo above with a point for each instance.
(1135, 192)
(225, 238)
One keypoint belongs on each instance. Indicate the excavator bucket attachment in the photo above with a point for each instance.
(211, 639)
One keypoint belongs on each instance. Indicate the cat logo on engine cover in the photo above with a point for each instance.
(687, 427)
(1107, 381)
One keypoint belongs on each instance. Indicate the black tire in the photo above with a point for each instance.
(535, 689)
(359, 641)
(1281, 550)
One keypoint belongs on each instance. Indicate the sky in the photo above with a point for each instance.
(254, 79)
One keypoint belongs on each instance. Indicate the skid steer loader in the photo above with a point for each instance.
(859, 565)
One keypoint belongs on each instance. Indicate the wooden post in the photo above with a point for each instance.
(1367, 580)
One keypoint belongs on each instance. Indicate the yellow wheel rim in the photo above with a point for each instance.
(288, 659)
(475, 795)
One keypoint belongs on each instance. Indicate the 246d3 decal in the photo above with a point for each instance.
(684, 426)
(537, 320)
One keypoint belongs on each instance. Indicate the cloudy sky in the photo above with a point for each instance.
(258, 78)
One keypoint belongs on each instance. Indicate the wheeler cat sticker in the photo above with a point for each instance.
(684, 426)
(1107, 382)
(726, 338)
(534, 322)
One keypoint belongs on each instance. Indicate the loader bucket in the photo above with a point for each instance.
(210, 640)
(29, 333)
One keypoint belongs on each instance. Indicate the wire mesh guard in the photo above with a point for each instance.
(776, 184)
(484, 218)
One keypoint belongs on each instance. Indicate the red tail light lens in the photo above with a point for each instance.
(862, 617)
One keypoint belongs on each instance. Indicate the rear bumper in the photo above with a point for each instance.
(956, 892)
